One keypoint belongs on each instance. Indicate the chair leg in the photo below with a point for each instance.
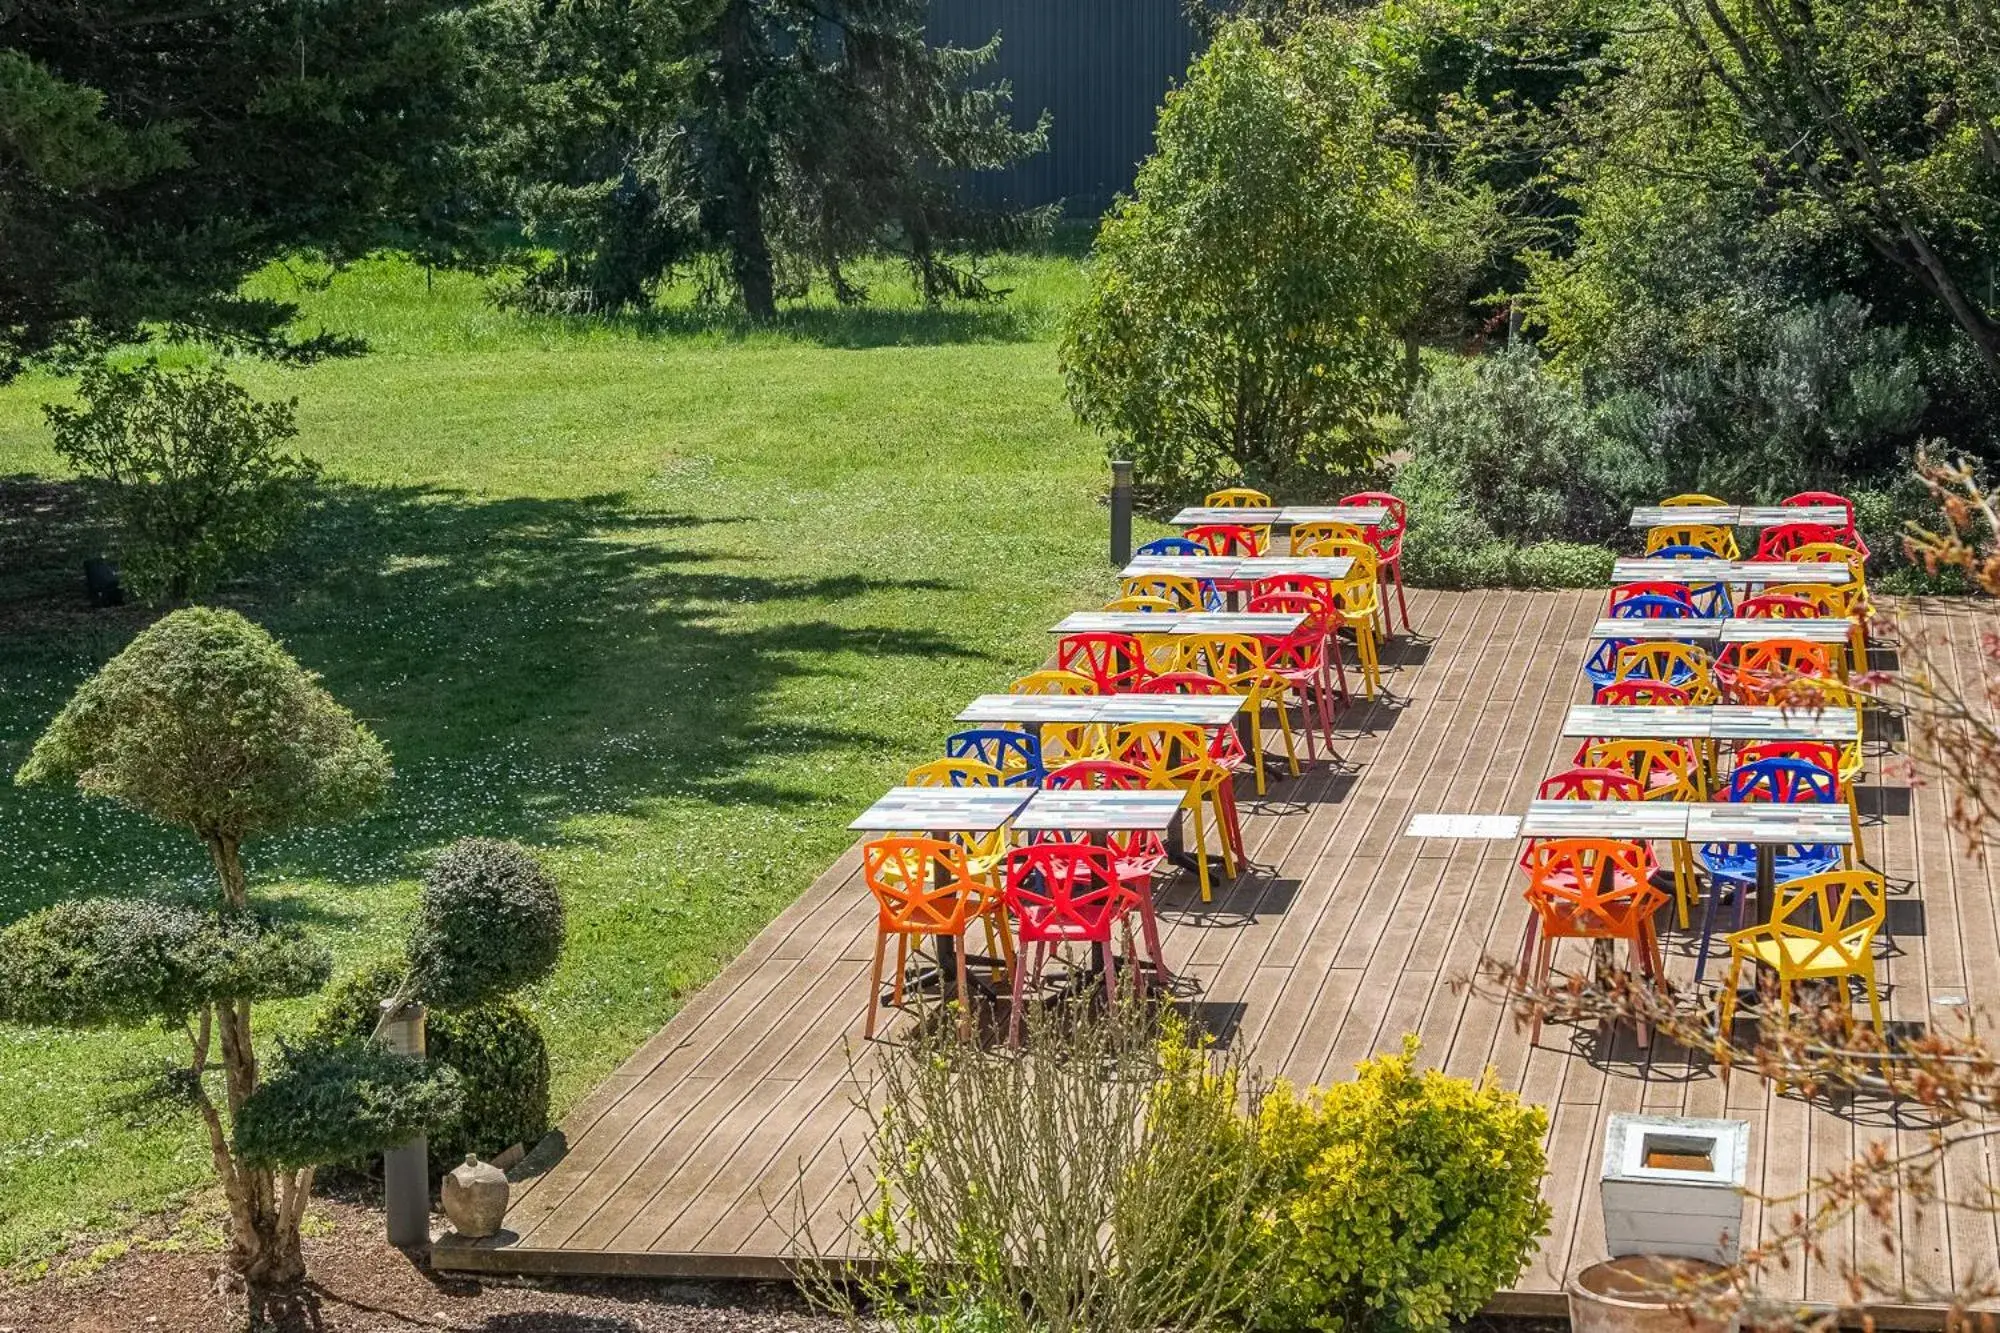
(1200, 851)
(1545, 964)
(1020, 993)
(964, 992)
(1528, 942)
(1874, 1002)
(1285, 732)
(1306, 722)
(1149, 929)
(1257, 741)
(1402, 602)
(902, 967)
(874, 988)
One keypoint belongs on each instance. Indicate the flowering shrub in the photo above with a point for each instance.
(1400, 1201)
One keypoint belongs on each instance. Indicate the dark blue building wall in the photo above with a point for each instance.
(1100, 67)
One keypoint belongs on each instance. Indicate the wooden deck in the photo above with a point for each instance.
(689, 1160)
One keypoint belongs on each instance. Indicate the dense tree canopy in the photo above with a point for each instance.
(152, 155)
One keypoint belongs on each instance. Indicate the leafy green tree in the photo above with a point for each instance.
(151, 156)
(193, 462)
(786, 137)
(1246, 304)
(205, 722)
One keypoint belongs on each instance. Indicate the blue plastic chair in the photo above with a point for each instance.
(1602, 665)
(1770, 781)
(1711, 600)
(1017, 754)
(1211, 596)
(1651, 606)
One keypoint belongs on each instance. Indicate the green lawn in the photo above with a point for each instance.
(668, 600)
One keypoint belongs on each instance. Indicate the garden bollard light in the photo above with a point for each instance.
(1121, 513)
(406, 1186)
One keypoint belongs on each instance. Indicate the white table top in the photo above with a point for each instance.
(1032, 708)
(1777, 516)
(1269, 624)
(1118, 622)
(1727, 722)
(1693, 571)
(942, 809)
(1194, 566)
(1738, 516)
(1684, 629)
(1665, 516)
(1605, 819)
(1333, 567)
(1228, 567)
(1366, 516)
(1746, 821)
(1078, 811)
(1207, 710)
(1809, 629)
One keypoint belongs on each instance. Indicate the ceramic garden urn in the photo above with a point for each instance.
(475, 1197)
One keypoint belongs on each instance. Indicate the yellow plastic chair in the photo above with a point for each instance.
(1238, 661)
(1238, 497)
(1833, 553)
(1360, 603)
(1846, 909)
(1061, 741)
(1687, 665)
(1178, 757)
(1138, 602)
(1836, 601)
(1182, 591)
(1665, 771)
(1304, 535)
(983, 851)
(1690, 499)
(1165, 652)
(1705, 535)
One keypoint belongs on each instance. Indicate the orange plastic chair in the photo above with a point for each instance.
(1689, 499)
(1751, 673)
(1822, 928)
(1182, 592)
(1665, 771)
(1835, 601)
(1591, 889)
(1684, 664)
(924, 888)
(1226, 539)
(1176, 757)
(1704, 535)
(1242, 663)
(1646, 693)
(1114, 662)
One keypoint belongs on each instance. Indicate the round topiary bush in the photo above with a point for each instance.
(489, 921)
(495, 1048)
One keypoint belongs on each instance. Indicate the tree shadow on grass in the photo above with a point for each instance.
(527, 661)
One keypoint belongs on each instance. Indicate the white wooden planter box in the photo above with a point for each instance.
(1674, 1186)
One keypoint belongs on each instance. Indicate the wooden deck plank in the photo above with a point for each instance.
(738, 1117)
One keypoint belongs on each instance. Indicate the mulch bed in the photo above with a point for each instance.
(361, 1284)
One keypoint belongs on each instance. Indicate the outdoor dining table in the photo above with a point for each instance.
(1202, 710)
(1240, 568)
(1738, 516)
(1675, 629)
(1769, 827)
(1281, 516)
(1693, 629)
(941, 812)
(1179, 622)
(1194, 566)
(1722, 722)
(1094, 813)
(1660, 570)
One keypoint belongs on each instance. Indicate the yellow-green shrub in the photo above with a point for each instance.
(1400, 1201)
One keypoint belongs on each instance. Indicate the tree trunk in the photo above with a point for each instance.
(227, 855)
(740, 166)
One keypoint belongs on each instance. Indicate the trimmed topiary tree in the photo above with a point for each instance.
(489, 921)
(205, 722)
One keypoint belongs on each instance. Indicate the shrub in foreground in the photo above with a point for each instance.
(1401, 1201)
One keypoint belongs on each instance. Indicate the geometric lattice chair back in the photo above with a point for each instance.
(1595, 888)
(922, 885)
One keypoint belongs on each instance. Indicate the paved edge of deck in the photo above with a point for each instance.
(453, 1254)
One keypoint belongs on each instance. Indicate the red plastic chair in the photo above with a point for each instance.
(1300, 657)
(1225, 746)
(1583, 784)
(1625, 592)
(1851, 535)
(1227, 539)
(1776, 606)
(1387, 539)
(1639, 690)
(1136, 853)
(1778, 543)
(1311, 595)
(1063, 893)
(1115, 663)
